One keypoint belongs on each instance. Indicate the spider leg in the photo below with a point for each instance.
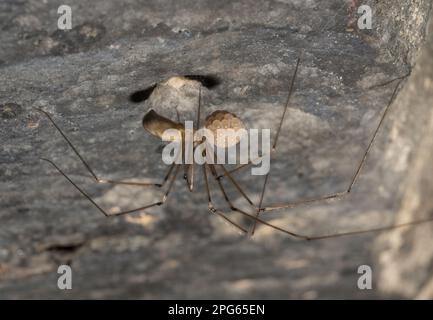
(252, 217)
(352, 182)
(197, 126)
(273, 151)
(242, 166)
(104, 212)
(319, 237)
(358, 168)
(274, 145)
(186, 175)
(292, 83)
(381, 229)
(212, 208)
(189, 169)
(90, 170)
(233, 181)
(177, 114)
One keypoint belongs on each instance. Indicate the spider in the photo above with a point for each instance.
(156, 124)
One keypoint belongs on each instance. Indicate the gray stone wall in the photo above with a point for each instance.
(84, 78)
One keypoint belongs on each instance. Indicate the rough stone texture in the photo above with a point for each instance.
(400, 25)
(84, 78)
(405, 256)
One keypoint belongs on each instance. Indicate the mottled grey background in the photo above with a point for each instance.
(84, 77)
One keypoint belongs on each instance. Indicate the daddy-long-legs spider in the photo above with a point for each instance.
(156, 124)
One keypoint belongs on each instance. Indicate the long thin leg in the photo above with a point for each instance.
(212, 208)
(292, 84)
(252, 217)
(104, 212)
(89, 169)
(234, 182)
(177, 114)
(274, 145)
(381, 229)
(197, 126)
(356, 174)
(186, 175)
(320, 237)
(256, 218)
(273, 151)
(241, 166)
(189, 169)
(327, 197)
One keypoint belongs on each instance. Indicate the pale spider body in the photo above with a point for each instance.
(216, 123)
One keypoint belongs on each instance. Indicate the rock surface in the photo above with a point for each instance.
(85, 77)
